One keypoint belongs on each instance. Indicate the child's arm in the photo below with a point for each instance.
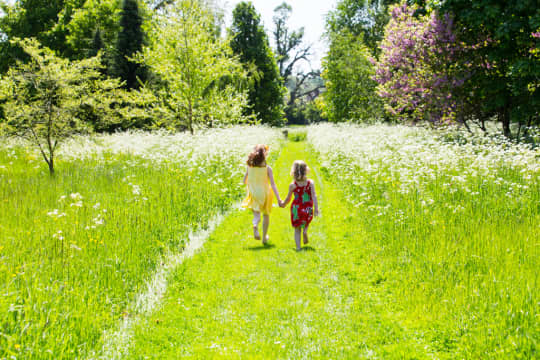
(273, 184)
(314, 196)
(289, 195)
(245, 176)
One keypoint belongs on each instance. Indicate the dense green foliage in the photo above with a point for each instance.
(199, 80)
(129, 42)
(363, 19)
(455, 61)
(504, 41)
(94, 17)
(250, 43)
(354, 30)
(207, 86)
(30, 18)
(348, 74)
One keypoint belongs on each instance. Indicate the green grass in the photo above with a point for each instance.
(459, 248)
(363, 289)
(53, 288)
(61, 290)
(238, 298)
(424, 250)
(296, 134)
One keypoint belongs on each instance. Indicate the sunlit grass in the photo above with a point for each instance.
(76, 248)
(458, 229)
(427, 247)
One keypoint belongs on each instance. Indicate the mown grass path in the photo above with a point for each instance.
(237, 298)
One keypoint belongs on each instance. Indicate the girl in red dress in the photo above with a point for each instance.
(304, 205)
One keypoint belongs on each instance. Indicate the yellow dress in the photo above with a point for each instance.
(259, 192)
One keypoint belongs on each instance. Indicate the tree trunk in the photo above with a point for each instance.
(51, 166)
(464, 122)
(504, 117)
(190, 117)
(526, 131)
(519, 131)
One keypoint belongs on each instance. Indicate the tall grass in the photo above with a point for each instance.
(76, 249)
(455, 228)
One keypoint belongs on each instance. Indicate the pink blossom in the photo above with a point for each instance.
(413, 72)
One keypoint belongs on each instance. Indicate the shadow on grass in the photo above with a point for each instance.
(261, 247)
(308, 248)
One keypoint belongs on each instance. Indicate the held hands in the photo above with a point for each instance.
(281, 203)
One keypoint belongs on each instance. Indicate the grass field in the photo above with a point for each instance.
(456, 224)
(427, 247)
(76, 249)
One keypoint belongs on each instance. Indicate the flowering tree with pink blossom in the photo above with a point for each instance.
(418, 72)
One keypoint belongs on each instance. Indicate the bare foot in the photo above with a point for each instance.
(305, 238)
(265, 241)
(256, 234)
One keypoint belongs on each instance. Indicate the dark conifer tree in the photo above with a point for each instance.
(130, 41)
(97, 44)
(250, 42)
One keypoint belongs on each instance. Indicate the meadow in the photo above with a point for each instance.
(77, 248)
(454, 221)
(427, 247)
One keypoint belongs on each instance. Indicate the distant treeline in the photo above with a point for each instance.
(453, 61)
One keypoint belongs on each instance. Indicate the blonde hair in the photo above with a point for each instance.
(299, 170)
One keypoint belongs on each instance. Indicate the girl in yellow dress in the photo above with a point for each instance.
(260, 183)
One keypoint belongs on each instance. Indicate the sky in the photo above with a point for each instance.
(309, 14)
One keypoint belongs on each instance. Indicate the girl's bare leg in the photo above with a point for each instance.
(297, 235)
(306, 240)
(256, 221)
(266, 223)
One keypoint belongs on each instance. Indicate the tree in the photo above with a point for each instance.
(505, 67)
(250, 43)
(364, 19)
(289, 49)
(130, 42)
(196, 70)
(353, 30)
(33, 18)
(95, 16)
(97, 44)
(419, 71)
(350, 90)
(46, 98)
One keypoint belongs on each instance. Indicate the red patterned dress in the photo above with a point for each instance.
(302, 205)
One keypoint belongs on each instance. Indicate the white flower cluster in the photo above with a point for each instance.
(423, 161)
(163, 147)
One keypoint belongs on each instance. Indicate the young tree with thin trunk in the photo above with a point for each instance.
(197, 71)
(44, 98)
